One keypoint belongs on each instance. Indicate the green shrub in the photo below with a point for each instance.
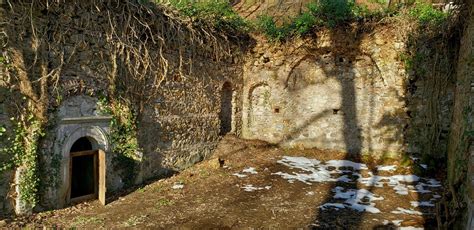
(304, 23)
(427, 15)
(333, 12)
(271, 30)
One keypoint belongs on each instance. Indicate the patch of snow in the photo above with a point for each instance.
(386, 167)
(251, 188)
(239, 175)
(346, 163)
(299, 162)
(433, 183)
(250, 170)
(353, 199)
(406, 211)
(420, 188)
(310, 171)
(406, 178)
(401, 189)
(424, 166)
(344, 179)
(178, 186)
(310, 193)
(421, 204)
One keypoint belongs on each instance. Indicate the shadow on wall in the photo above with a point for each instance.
(415, 117)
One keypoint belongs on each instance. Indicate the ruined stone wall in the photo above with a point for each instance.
(182, 127)
(461, 139)
(344, 90)
(177, 128)
(5, 177)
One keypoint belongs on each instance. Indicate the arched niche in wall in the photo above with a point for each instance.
(260, 108)
(226, 114)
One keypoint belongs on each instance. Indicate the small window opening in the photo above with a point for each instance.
(335, 111)
(276, 110)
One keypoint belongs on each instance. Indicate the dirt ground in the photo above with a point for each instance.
(209, 195)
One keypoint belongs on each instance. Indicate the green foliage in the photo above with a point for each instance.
(328, 13)
(427, 15)
(269, 27)
(219, 12)
(22, 147)
(124, 136)
(333, 12)
(304, 23)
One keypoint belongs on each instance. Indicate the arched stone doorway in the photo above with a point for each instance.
(85, 170)
(81, 138)
(226, 113)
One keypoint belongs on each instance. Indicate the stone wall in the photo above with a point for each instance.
(182, 127)
(342, 90)
(177, 128)
(334, 92)
(6, 178)
(461, 141)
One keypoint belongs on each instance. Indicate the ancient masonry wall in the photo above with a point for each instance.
(461, 142)
(178, 128)
(6, 177)
(341, 90)
(183, 126)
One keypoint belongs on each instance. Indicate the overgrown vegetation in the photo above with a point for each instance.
(218, 12)
(123, 135)
(331, 13)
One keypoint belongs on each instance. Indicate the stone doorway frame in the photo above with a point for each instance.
(75, 128)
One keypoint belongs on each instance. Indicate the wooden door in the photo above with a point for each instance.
(102, 174)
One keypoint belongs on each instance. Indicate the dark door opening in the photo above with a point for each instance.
(83, 171)
(83, 175)
(225, 114)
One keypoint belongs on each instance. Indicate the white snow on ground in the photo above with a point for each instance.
(250, 170)
(353, 199)
(239, 175)
(310, 171)
(178, 186)
(315, 171)
(386, 167)
(251, 188)
(421, 204)
(406, 211)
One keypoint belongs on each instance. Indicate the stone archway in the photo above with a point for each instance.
(88, 158)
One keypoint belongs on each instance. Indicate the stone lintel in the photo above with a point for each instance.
(81, 120)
